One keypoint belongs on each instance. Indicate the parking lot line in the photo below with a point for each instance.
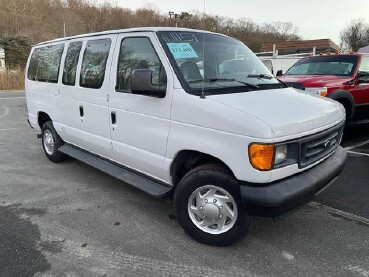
(358, 270)
(10, 129)
(356, 145)
(358, 153)
(340, 213)
(6, 111)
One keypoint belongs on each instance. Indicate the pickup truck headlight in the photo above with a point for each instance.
(265, 157)
(318, 91)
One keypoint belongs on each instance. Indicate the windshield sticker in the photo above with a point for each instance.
(178, 37)
(182, 50)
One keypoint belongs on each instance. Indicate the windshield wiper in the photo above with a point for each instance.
(212, 80)
(282, 83)
(260, 76)
(266, 76)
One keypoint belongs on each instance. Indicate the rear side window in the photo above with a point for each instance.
(70, 64)
(45, 63)
(136, 53)
(94, 63)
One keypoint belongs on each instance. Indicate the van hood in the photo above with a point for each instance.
(287, 111)
(316, 80)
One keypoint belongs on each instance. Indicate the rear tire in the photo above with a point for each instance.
(51, 143)
(209, 208)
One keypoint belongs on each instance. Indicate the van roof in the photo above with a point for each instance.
(337, 55)
(130, 30)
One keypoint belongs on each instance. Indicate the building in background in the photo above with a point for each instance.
(279, 57)
(302, 46)
(2, 58)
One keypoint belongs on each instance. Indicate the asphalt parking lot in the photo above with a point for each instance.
(71, 220)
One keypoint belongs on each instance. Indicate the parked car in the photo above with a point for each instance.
(342, 77)
(227, 143)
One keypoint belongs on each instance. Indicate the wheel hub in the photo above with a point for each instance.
(212, 209)
(48, 142)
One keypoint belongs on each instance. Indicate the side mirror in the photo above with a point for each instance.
(362, 78)
(142, 85)
(279, 73)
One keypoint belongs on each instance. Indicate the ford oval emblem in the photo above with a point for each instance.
(328, 144)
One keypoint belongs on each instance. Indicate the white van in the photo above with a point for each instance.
(226, 142)
(279, 64)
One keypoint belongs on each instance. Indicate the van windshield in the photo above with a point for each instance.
(220, 65)
(325, 65)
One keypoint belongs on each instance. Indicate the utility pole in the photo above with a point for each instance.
(64, 29)
(175, 17)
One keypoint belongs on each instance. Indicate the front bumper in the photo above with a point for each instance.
(290, 193)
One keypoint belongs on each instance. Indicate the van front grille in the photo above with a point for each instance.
(316, 147)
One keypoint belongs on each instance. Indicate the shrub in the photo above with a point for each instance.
(12, 79)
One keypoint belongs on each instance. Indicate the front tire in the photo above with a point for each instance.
(209, 208)
(51, 143)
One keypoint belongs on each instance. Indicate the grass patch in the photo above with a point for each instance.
(12, 79)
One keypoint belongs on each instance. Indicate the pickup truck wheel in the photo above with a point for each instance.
(208, 206)
(51, 143)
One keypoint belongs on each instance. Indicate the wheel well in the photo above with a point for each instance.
(348, 107)
(187, 160)
(43, 118)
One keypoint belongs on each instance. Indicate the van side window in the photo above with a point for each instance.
(45, 63)
(269, 65)
(136, 53)
(70, 64)
(94, 63)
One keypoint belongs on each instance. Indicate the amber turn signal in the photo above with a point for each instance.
(261, 156)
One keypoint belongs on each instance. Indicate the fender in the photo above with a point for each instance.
(344, 94)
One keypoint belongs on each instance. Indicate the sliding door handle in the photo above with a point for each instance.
(81, 111)
(113, 118)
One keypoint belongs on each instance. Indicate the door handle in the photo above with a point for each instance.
(81, 112)
(113, 118)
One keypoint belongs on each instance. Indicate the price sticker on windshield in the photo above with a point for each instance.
(182, 50)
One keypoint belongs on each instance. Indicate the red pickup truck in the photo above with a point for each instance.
(342, 77)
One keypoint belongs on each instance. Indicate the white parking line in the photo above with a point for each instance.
(358, 153)
(6, 111)
(340, 213)
(358, 270)
(356, 145)
(10, 129)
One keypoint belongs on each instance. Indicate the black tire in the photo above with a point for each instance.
(55, 156)
(220, 177)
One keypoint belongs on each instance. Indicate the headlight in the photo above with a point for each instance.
(280, 154)
(317, 91)
(265, 157)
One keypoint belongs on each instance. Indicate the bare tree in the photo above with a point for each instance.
(41, 20)
(284, 31)
(355, 35)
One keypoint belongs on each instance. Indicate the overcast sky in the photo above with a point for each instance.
(314, 18)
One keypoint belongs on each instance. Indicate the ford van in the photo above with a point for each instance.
(186, 114)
